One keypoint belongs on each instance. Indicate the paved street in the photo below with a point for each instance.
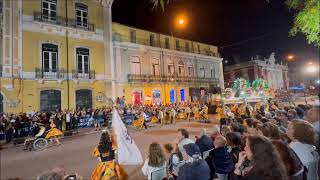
(75, 155)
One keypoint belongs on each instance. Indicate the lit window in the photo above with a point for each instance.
(135, 65)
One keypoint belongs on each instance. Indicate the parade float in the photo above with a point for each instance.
(242, 92)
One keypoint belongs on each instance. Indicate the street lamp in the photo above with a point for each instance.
(311, 68)
(290, 57)
(181, 21)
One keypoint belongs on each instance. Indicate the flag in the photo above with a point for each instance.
(128, 152)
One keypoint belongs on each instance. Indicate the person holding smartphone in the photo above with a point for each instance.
(259, 160)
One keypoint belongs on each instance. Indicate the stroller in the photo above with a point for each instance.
(39, 142)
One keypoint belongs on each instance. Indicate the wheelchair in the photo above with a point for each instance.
(39, 142)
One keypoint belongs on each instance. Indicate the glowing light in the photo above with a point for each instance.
(181, 21)
(311, 69)
(242, 92)
(318, 81)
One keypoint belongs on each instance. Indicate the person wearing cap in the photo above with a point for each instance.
(195, 168)
(205, 143)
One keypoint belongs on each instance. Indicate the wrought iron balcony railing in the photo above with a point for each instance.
(43, 73)
(169, 78)
(83, 75)
(62, 21)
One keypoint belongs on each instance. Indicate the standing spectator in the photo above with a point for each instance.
(234, 141)
(155, 160)
(303, 139)
(183, 140)
(9, 133)
(205, 143)
(215, 132)
(291, 161)
(173, 115)
(264, 161)
(313, 117)
(173, 158)
(122, 101)
(220, 159)
(195, 167)
(68, 120)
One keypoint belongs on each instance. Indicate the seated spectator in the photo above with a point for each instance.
(300, 112)
(292, 114)
(313, 117)
(220, 160)
(155, 160)
(234, 141)
(215, 132)
(269, 130)
(205, 143)
(173, 158)
(303, 139)
(264, 161)
(183, 140)
(291, 161)
(195, 168)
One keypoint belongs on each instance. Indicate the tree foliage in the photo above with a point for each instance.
(306, 19)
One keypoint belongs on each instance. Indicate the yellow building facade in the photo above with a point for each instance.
(64, 54)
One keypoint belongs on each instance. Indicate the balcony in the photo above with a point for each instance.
(170, 78)
(62, 21)
(82, 75)
(50, 73)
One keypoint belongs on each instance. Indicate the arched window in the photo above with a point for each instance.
(83, 60)
(50, 100)
(49, 57)
(135, 65)
(181, 68)
(81, 15)
(170, 67)
(155, 67)
(84, 98)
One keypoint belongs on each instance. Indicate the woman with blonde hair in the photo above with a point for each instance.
(155, 160)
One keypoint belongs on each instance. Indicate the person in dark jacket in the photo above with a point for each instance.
(221, 159)
(205, 143)
(234, 141)
(195, 168)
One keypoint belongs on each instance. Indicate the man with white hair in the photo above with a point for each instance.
(205, 143)
(215, 132)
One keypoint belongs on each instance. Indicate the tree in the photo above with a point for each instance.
(306, 19)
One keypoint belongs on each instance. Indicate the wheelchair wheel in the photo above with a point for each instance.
(40, 144)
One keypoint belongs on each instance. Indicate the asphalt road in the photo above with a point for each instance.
(75, 154)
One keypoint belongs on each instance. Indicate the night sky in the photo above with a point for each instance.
(240, 28)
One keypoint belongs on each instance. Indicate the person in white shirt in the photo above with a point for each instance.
(303, 139)
(155, 161)
(183, 140)
(313, 117)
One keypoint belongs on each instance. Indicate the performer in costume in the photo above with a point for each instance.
(220, 112)
(54, 132)
(154, 118)
(195, 111)
(107, 168)
(234, 108)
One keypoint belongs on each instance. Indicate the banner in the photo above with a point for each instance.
(128, 152)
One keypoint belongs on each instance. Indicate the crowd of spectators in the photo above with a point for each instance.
(280, 144)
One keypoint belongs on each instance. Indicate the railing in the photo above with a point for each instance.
(50, 73)
(87, 27)
(82, 75)
(170, 78)
(62, 21)
(146, 41)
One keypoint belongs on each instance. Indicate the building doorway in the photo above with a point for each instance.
(50, 100)
(84, 98)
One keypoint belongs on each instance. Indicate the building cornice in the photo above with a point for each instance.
(134, 46)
